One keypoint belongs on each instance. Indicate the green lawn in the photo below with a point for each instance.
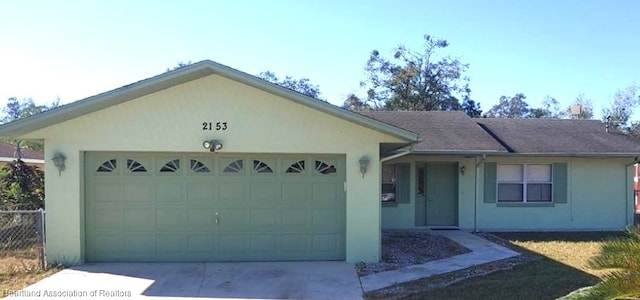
(555, 265)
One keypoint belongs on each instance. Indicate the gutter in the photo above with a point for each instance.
(394, 156)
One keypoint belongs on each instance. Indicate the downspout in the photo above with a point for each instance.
(475, 193)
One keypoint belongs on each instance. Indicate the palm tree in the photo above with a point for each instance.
(624, 255)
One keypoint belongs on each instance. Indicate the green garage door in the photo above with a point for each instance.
(213, 207)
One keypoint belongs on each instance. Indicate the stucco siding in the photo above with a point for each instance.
(171, 121)
(403, 215)
(598, 199)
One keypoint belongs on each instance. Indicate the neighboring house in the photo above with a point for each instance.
(28, 156)
(509, 174)
(207, 163)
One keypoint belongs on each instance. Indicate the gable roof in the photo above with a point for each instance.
(558, 136)
(8, 153)
(441, 131)
(181, 75)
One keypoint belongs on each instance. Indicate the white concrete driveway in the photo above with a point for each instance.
(251, 280)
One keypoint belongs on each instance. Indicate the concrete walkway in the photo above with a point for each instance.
(482, 251)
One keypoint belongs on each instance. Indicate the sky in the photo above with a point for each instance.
(75, 49)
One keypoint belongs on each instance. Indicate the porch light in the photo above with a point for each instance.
(58, 161)
(364, 164)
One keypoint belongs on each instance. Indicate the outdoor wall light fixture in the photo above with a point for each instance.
(212, 145)
(463, 169)
(364, 164)
(58, 161)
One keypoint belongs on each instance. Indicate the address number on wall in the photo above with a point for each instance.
(214, 126)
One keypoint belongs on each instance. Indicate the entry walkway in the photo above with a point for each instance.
(482, 251)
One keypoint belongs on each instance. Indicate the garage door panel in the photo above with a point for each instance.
(325, 242)
(110, 217)
(265, 193)
(294, 218)
(139, 219)
(107, 243)
(295, 243)
(232, 219)
(296, 193)
(138, 190)
(233, 192)
(232, 243)
(265, 219)
(220, 207)
(199, 218)
(200, 190)
(264, 244)
(107, 190)
(168, 191)
(325, 194)
(171, 219)
(200, 243)
(140, 243)
(170, 244)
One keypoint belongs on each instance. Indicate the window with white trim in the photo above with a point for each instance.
(388, 183)
(524, 183)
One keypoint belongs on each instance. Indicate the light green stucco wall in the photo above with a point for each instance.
(171, 121)
(600, 197)
(402, 215)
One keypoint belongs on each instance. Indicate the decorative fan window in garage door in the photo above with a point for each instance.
(261, 167)
(199, 167)
(171, 166)
(233, 167)
(325, 168)
(135, 167)
(296, 167)
(108, 166)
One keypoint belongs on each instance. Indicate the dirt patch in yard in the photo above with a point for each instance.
(405, 248)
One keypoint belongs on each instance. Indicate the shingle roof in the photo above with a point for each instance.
(537, 136)
(441, 131)
(7, 151)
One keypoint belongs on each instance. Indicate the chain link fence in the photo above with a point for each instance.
(22, 237)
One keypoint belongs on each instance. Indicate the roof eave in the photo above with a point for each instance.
(575, 154)
(191, 72)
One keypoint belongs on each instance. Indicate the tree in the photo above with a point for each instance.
(510, 107)
(354, 103)
(621, 108)
(621, 254)
(471, 108)
(586, 108)
(22, 108)
(21, 187)
(179, 65)
(303, 85)
(413, 80)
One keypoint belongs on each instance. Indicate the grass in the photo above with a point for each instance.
(19, 269)
(553, 264)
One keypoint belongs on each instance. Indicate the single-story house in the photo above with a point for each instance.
(207, 163)
(9, 153)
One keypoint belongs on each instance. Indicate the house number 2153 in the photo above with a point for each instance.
(214, 126)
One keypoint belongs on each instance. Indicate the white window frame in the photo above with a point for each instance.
(524, 182)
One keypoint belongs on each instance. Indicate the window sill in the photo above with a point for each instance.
(525, 204)
(390, 204)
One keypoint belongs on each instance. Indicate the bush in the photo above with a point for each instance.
(21, 187)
